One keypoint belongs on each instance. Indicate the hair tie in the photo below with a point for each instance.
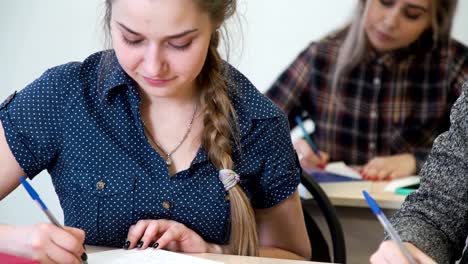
(229, 178)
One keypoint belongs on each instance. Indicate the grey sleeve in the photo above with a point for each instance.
(435, 217)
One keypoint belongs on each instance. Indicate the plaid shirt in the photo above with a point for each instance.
(394, 103)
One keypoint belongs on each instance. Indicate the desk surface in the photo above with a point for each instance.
(226, 259)
(350, 194)
(230, 259)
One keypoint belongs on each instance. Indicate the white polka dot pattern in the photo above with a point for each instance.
(81, 122)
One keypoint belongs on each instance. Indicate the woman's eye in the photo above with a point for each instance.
(412, 15)
(387, 3)
(132, 42)
(180, 46)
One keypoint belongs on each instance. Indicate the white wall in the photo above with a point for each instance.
(36, 35)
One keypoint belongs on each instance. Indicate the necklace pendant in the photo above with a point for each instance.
(168, 161)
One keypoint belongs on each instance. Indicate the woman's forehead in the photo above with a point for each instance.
(163, 17)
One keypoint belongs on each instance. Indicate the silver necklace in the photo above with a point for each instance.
(168, 155)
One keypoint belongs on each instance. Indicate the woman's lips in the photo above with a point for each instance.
(157, 82)
(382, 36)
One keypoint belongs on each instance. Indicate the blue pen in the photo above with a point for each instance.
(35, 197)
(388, 226)
(307, 138)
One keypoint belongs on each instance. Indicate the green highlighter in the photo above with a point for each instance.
(407, 189)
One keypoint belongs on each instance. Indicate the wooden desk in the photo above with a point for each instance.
(230, 259)
(349, 194)
(227, 259)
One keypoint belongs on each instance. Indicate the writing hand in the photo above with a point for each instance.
(48, 243)
(388, 252)
(307, 157)
(170, 235)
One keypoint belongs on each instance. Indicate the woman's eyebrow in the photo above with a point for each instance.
(418, 7)
(127, 29)
(183, 33)
(178, 35)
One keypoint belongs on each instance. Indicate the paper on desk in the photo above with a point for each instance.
(147, 256)
(402, 182)
(340, 168)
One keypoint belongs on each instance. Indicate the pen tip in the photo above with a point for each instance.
(372, 203)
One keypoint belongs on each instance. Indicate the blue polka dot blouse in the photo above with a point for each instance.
(81, 122)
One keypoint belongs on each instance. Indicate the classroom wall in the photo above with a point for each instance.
(36, 35)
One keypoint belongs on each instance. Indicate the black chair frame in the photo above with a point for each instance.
(320, 250)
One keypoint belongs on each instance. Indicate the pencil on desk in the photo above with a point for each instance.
(35, 197)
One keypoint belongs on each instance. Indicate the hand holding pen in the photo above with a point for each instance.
(389, 228)
(309, 154)
(54, 243)
(390, 253)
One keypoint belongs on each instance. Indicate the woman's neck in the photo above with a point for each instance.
(170, 104)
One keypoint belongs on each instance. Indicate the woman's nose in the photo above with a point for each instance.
(391, 18)
(154, 61)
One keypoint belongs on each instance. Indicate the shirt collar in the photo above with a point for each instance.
(247, 101)
(249, 104)
(111, 76)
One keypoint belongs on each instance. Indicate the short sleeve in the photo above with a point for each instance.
(281, 174)
(32, 120)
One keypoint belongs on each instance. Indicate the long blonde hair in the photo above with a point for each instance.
(220, 130)
(355, 44)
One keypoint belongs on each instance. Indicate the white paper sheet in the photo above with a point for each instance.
(402, 182)
(340, 168)
(147, 256)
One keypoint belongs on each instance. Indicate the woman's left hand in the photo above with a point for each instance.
(389, 167)
(170, 235)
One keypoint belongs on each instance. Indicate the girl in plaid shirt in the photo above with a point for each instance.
(380, 90)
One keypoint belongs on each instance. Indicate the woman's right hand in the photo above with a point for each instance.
(307, 157)
(46, 243)
(389, 252)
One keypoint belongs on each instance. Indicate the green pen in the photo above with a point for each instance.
(406, 190)
(307, 138)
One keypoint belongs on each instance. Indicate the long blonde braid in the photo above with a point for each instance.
(219, 134)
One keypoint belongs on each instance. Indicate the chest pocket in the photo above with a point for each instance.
(100, 203)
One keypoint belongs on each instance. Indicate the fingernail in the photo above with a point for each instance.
(126, 245)
(155, 245)
(140, 244)
(84, 257)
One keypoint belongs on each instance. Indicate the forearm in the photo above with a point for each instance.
(420, 156)
(8, 243)
(434, 217)
(270, 252)
(426, 237)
